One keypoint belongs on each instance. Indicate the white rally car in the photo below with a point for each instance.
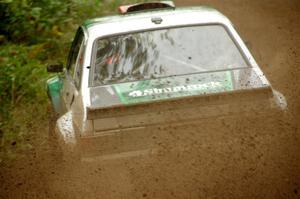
(153, 64)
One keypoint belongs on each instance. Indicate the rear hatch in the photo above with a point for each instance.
(177, 99)
(171, 75)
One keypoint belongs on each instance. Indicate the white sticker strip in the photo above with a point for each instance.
(110, 90)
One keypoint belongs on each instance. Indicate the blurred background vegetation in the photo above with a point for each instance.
(32, 34)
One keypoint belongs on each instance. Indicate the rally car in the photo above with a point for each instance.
(153, 64)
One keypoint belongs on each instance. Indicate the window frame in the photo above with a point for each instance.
(79, 37)
(79, 66)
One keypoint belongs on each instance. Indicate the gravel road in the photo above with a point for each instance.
(254, 155)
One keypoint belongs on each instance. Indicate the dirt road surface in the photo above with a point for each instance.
(250, 156)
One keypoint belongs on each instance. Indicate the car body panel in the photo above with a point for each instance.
(121, 111)
(54, 86)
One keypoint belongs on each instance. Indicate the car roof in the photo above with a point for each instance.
(205, 13)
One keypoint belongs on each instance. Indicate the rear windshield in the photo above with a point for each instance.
(164, 53)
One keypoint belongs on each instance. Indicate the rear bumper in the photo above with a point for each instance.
(176, 110)
(140, 130)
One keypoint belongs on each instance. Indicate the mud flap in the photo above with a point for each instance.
(67, 137)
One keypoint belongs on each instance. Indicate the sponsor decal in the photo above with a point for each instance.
(158, 91)
(172, 87)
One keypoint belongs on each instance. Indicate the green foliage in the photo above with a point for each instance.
(35, 21)
(22, 95)
(22, 75)
(32, 21)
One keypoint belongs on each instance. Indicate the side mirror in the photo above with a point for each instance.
(55, 68)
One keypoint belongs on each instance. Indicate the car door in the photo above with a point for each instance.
(73, 71)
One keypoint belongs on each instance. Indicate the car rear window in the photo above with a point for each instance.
(164, 53)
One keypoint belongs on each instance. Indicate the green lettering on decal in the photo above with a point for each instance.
(172, 87)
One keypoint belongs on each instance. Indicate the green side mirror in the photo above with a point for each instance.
(55, 68)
